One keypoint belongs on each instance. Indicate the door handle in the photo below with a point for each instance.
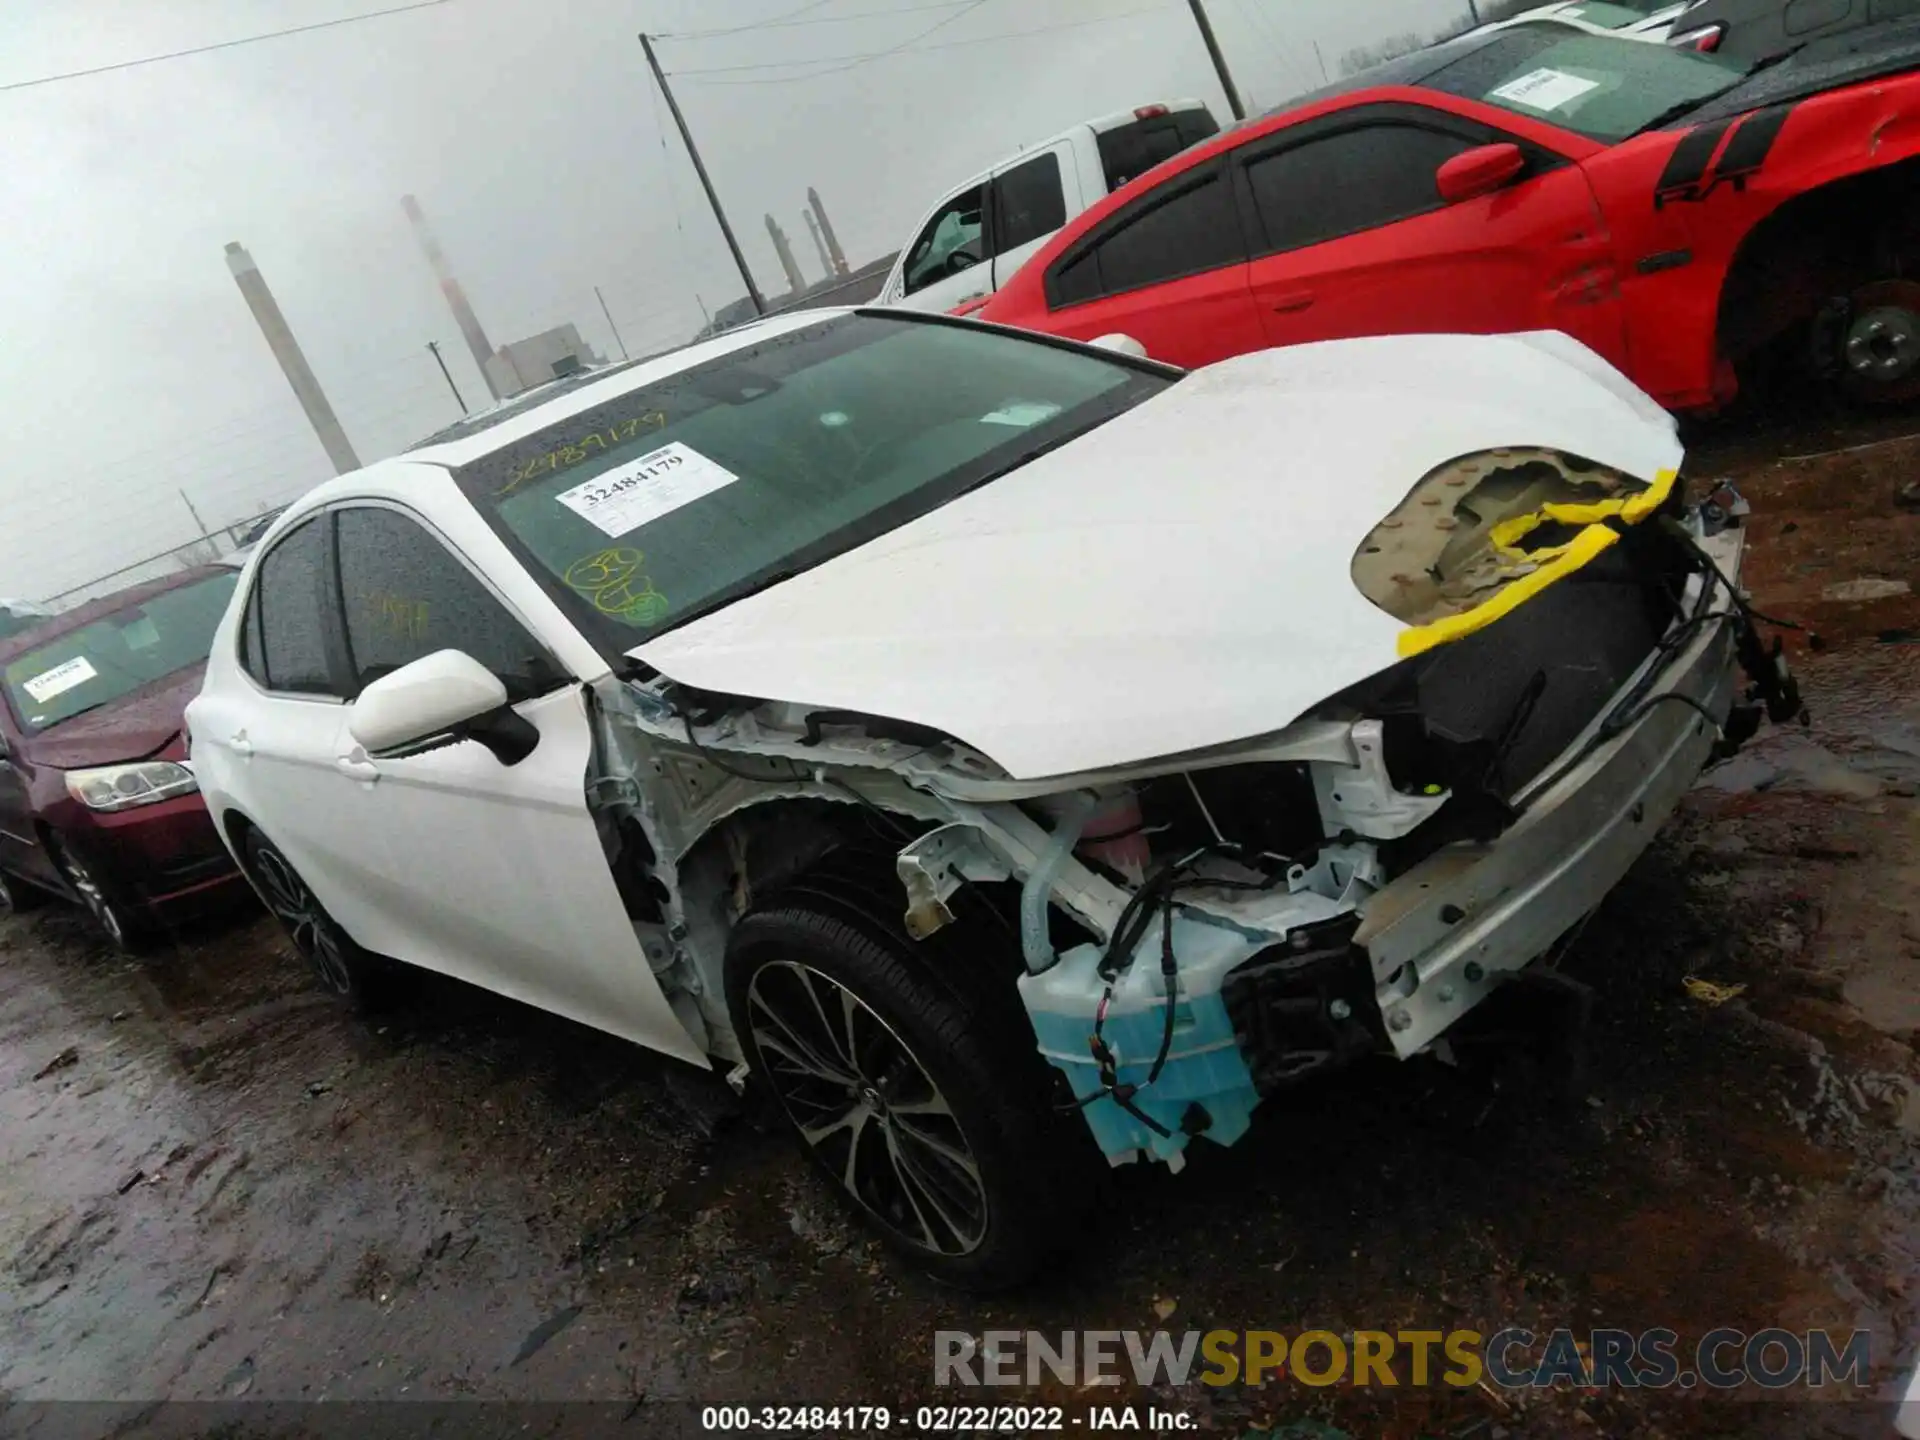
(357, 767)
(1294, 303)
(240, 744)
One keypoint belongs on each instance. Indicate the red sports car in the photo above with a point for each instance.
(1682, 214)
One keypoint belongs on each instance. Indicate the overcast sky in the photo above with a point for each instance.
(132, 370)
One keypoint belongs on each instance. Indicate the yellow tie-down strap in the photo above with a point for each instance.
(1559, 560)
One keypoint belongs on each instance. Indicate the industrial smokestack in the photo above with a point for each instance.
(826, 229)
(463, 315)
(306, 388)
(795, 281)
(820, 245)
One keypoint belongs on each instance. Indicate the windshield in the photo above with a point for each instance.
(117, 654)
(685, 494)
(1596, 85)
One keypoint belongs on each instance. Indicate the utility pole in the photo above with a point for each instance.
(187, 501)
(434, 346)
(700, 169)
(1473, 9)
(1219, 60)
(1325, 79)
(610, 325)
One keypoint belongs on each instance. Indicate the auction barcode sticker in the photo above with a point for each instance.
(60, 679)
(621, 500)
(1545, 89)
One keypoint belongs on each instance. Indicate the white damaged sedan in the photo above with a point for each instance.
(997, 748)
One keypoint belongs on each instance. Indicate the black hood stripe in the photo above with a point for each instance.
(1751, 144)
(1688, 163)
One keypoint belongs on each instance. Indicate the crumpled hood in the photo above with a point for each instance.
(139, 726)
(1178, 578)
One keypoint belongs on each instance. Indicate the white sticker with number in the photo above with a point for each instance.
(62, 678)
(621, 500)
(1545, 89)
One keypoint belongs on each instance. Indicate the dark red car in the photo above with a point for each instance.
(1686, 216)
(97, 798)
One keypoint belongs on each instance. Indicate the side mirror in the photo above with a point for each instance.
(436, 700)
(1480, 171)
(1120, 344)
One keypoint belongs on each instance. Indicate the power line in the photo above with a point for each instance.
(219, 45)
(786, 22)
(786, 19)
(923, 49)
(847, 62)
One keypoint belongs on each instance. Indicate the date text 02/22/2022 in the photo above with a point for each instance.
(926, 1420)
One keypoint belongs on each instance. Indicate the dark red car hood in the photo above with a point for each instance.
(146, 724)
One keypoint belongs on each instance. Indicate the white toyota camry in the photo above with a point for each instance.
(1002, 750)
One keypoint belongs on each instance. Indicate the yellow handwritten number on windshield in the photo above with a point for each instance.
(611, 579)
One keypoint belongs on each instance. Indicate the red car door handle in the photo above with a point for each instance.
(1290, 304)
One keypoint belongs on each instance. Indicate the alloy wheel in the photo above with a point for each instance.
(868, 1108)
(1881, 349)
(293, 905)
(103, 910)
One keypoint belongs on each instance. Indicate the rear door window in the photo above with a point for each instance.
(407, 596)
(291, 598)
(1187, 227)
(1028, 202)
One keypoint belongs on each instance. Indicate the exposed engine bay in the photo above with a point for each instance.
(1200, 931)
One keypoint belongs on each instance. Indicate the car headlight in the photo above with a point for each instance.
(122, 787)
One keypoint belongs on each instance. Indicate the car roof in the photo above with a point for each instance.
(67, 621)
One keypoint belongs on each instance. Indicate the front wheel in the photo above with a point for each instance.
(938, 1128)
(340, 966)
(127, 932)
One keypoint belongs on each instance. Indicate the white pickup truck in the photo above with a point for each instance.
(979, 233)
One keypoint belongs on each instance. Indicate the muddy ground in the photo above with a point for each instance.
(214, 1185)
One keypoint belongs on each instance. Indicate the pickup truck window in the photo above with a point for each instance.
(1127, 151)
(949, 243)
(1028, 202)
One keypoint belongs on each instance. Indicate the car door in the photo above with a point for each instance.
(946, 265)
(269, 742)
(496, 872)
(1169, 268)
(1031, 199)
(1350, 236)
(20, 851)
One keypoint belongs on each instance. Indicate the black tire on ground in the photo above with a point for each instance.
(1879, 362)
(125, 928)
(341, 967)
(17, 894)
(937, 1124)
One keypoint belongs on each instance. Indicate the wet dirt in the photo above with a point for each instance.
(214, 1184)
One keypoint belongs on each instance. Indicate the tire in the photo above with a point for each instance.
(1879, 359)
(128, 932)
(935, 1124)
(16, 895)
(339, 966)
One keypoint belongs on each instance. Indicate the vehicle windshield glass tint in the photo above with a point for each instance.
(685, 494)
(1597, 85)
(117, 654)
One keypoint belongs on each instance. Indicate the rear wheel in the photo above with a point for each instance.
(936, 1126)
(340, 966)
(1880, 350)
(122, 927)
